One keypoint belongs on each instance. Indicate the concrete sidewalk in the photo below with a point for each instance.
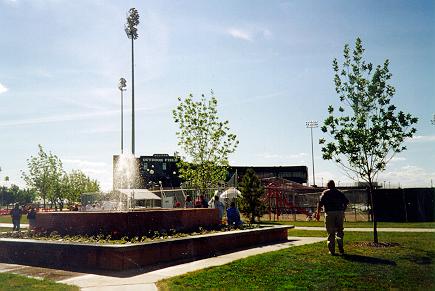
(366, 229)
(22, 225)
(146, 281)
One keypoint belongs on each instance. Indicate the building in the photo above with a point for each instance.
(298, 174)
(160, 170)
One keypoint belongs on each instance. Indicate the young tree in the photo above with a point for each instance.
(75, 183)
(205, 141)
(45, 172)
(367, 131)
(252, 192)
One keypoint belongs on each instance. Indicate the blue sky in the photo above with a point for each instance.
(268, 62)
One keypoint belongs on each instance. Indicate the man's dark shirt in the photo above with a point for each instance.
(333, 200)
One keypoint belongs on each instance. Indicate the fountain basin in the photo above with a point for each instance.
(96, 257)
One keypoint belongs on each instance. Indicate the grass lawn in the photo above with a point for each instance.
(8, 219)
(18, 282)
(408, 265)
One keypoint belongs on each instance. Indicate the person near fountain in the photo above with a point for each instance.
(16, 217)
(204, 201)
(233, 215)
(220, 206)
(188, 203)
(31, 217)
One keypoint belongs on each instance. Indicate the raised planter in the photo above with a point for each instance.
(131, 223)
(79, 256)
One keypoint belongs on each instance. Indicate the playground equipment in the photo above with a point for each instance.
(287, 197)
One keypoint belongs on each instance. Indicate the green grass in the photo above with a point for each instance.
(8, 219)
(359, 224)
(18, 282)
(409, 266)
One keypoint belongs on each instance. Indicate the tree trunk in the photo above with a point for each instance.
(374, 217)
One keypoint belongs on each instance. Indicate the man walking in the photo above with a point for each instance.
(334, 203)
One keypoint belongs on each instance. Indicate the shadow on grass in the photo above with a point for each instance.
(368, 260)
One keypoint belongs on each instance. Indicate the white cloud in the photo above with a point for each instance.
(100, 171)
(3, 89)
(408, 176)
(240, 34)
(249, 34)
(398, 159)
(422, 138)
(283, 158)
(76, 116)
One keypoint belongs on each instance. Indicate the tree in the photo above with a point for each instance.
(75, 183)
(205, 140)
(367, 131)
(44, 174)
(251, 203)
(14, 194)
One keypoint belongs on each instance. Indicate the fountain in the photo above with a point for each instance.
(130, 222)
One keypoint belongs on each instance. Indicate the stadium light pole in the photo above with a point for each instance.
(122, 87)
(311, 125)
(131, 31)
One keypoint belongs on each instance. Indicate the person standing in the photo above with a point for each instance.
(233, 215)
(188, 203)
(16, 217)
(31, 217)
(220, 206)
(204, 201)
(334, 203)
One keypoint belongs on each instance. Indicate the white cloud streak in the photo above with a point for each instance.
(270, 156)
(249, 34)
(422, 138)
(3, 88)
(73, 117)
(240, 34)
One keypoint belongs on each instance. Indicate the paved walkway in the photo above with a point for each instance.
(22, 225)
(366, 229)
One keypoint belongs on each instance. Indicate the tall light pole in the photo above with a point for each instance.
(433, 119)
(122, 87)
(131, 31)
(311, 125)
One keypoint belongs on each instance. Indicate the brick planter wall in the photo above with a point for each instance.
(130, 223)
(75, 256)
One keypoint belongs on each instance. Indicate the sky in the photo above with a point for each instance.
(269, 64)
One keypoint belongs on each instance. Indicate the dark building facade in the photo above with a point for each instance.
(161, 170)
(298, 174)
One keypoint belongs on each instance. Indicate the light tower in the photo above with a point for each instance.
(131, 31)
(122, 86)
(311, 125)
